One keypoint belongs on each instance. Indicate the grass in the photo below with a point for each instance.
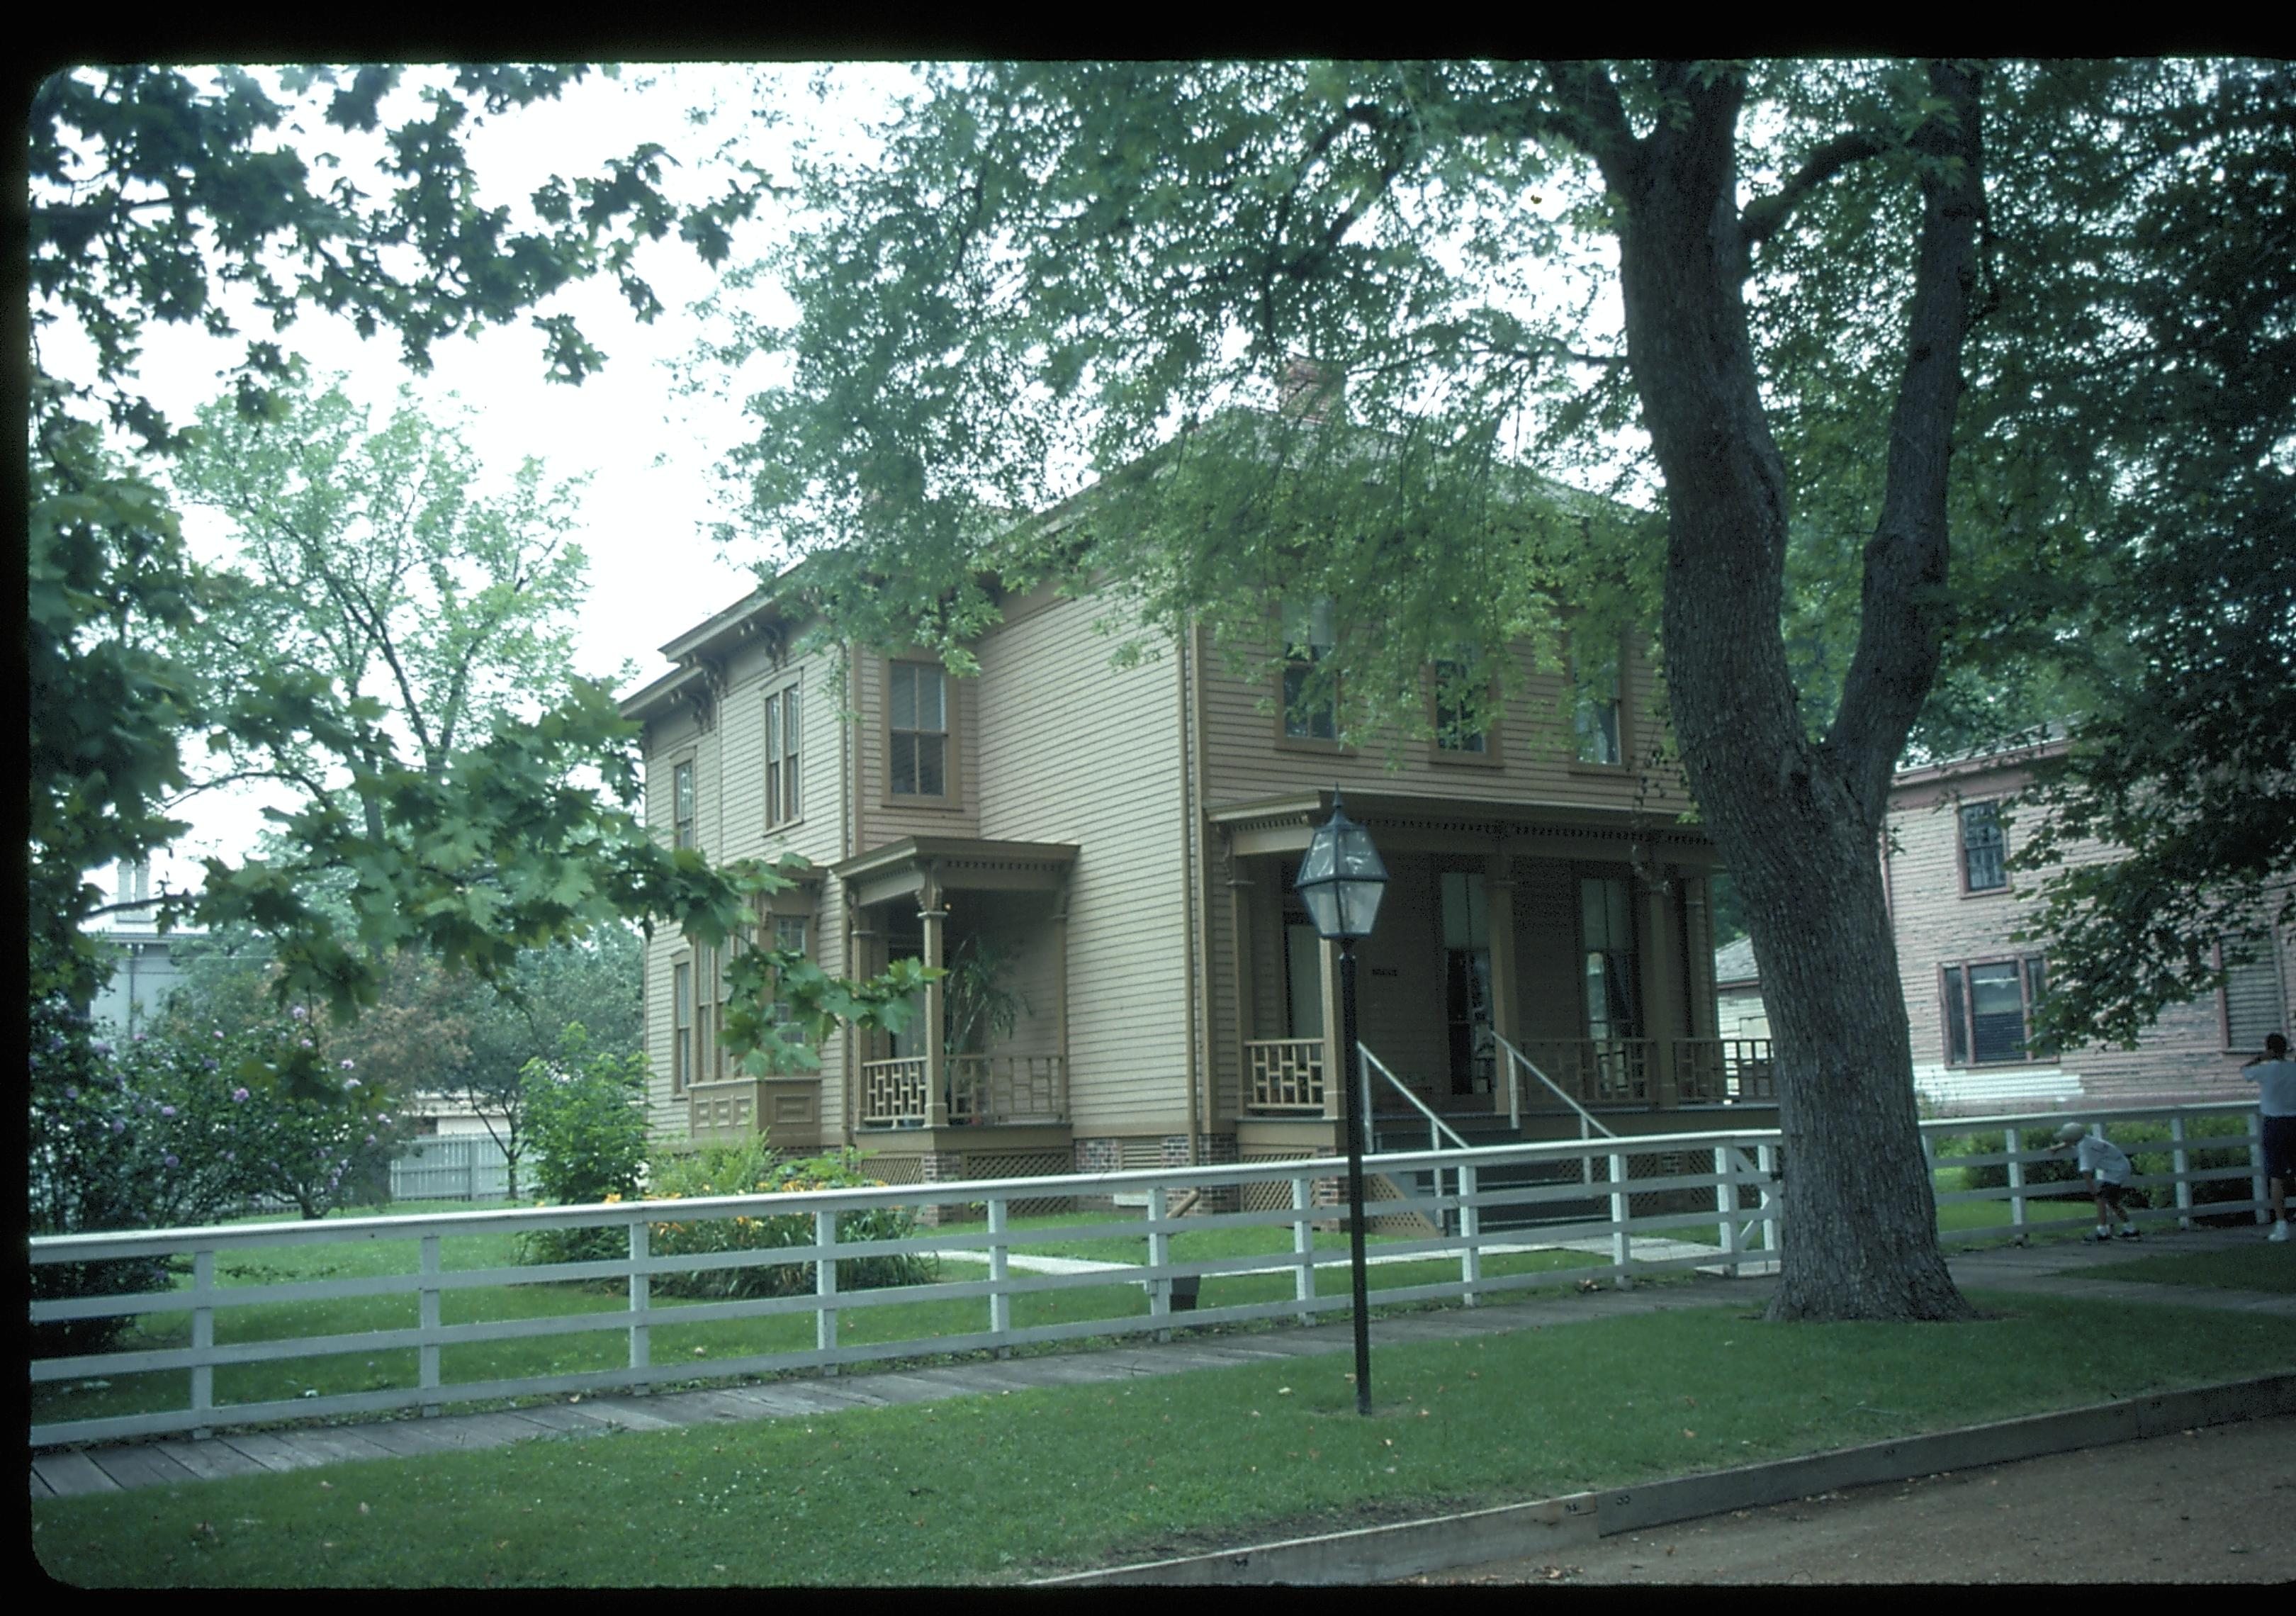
(980, 1490)
(2257, 1268)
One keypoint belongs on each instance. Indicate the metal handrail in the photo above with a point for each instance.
(1586, 1119)
(1435, 1125)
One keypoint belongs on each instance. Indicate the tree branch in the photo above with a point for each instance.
(1761, 217)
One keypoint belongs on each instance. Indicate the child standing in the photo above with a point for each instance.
(2105, 1165)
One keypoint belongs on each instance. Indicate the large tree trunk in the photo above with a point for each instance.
(1799, 820)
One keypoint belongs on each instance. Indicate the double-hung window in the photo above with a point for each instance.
(1606, 929)
(1311, 704)
(681, 804)
(2252, 995)
(1462, 723)
(1982, 846)
(784, 726)
(681, 1027)
(919, 730)
(1595, 710)
(1988, 1008)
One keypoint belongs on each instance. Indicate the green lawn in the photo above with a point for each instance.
(988, 1489)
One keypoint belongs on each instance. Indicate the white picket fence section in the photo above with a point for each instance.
(1713, 1202)
(452, 1167)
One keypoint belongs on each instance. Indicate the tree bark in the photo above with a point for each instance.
(1799, 820)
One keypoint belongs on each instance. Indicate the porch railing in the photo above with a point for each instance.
(894, 1092)
(1517, 1064)
(999, 1088)
(1645, 1204)
(1286, 1074)
(1723, 1071)
(1598, 1072)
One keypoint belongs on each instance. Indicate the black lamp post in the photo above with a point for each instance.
(1341, 881)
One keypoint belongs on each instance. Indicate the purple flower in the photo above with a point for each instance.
(239, 1093)
(119, 1127)
(170, 1161)
(305, 1043)
(210, 1064)
(350, 1082)
(100, 1047)
(346, 1065)
(324, 1151)
(166, 1111)
(298, 1013)
(218, 1035)
(70, 1093)
(370, 1139)
(140, 1037)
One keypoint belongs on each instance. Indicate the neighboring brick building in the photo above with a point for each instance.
(1970, 984)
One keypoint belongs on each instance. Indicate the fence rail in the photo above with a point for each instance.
(454, 1167)
(1709, 1199)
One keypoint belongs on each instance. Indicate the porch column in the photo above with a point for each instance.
(1498, 894)
(1061, 995)
(860, 964)
(930, 912)
(1336, 1077)
(1239, 931)
(1661, 990)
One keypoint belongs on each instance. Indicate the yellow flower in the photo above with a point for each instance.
(614, 1198)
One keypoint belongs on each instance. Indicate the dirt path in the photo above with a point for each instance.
(2215, 1505)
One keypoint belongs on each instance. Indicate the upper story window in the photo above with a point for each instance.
(2252, 994)
(1594, 710)
(680, 804)
(784, 726)
(919, 708)
(1981, 847)
(1311, 707)
(1988, 1011)
(1461, 725)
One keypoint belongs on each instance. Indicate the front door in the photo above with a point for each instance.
(1467, 980)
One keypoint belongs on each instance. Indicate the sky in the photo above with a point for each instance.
(648, 449)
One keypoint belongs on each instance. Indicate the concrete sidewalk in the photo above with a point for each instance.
(2047, 1269)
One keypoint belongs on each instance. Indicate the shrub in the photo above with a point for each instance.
(2132, 1137)
(586, 1116)
(749, 1168)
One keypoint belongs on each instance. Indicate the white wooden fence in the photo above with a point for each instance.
(451, 1166)
(1645, 1204)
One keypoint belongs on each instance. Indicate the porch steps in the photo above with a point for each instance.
(1483, 1130)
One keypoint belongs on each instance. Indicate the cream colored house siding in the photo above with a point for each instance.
(729, 814)
(1249, 756)
(1073, 749)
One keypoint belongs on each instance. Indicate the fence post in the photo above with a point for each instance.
(202, 1336)
(427, 1375)
(1303, 1247)
(2014, 1145)
(641, 1299)
(2256, 1186)
(1765, 1161)
(1160, 1252)
(1621, 1249)
(825, 1286)
(1470, 1234)
(2180, 1160)
(1000, 1305)
(1726, 1204)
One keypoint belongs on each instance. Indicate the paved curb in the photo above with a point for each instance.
(1385, 1554)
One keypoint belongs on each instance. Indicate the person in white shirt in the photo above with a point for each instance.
(2105, 1165)
(2275, 1075)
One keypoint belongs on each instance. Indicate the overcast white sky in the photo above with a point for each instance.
(650, 452)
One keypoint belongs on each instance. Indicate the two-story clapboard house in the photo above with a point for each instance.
(1970, 979)
(1119, 843)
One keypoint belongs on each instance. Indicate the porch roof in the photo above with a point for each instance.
(1410, 823)
(965, 864)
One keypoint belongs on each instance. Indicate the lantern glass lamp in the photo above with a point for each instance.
(1341, 879)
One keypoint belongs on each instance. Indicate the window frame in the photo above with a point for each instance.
(2030, 991)
(685, 833)
(1319, 651)
(1488, 755)
(1621, 727)
(950, 795)
(682, 1024)
(1991, 807)
(784, 741)
(1631, 987)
